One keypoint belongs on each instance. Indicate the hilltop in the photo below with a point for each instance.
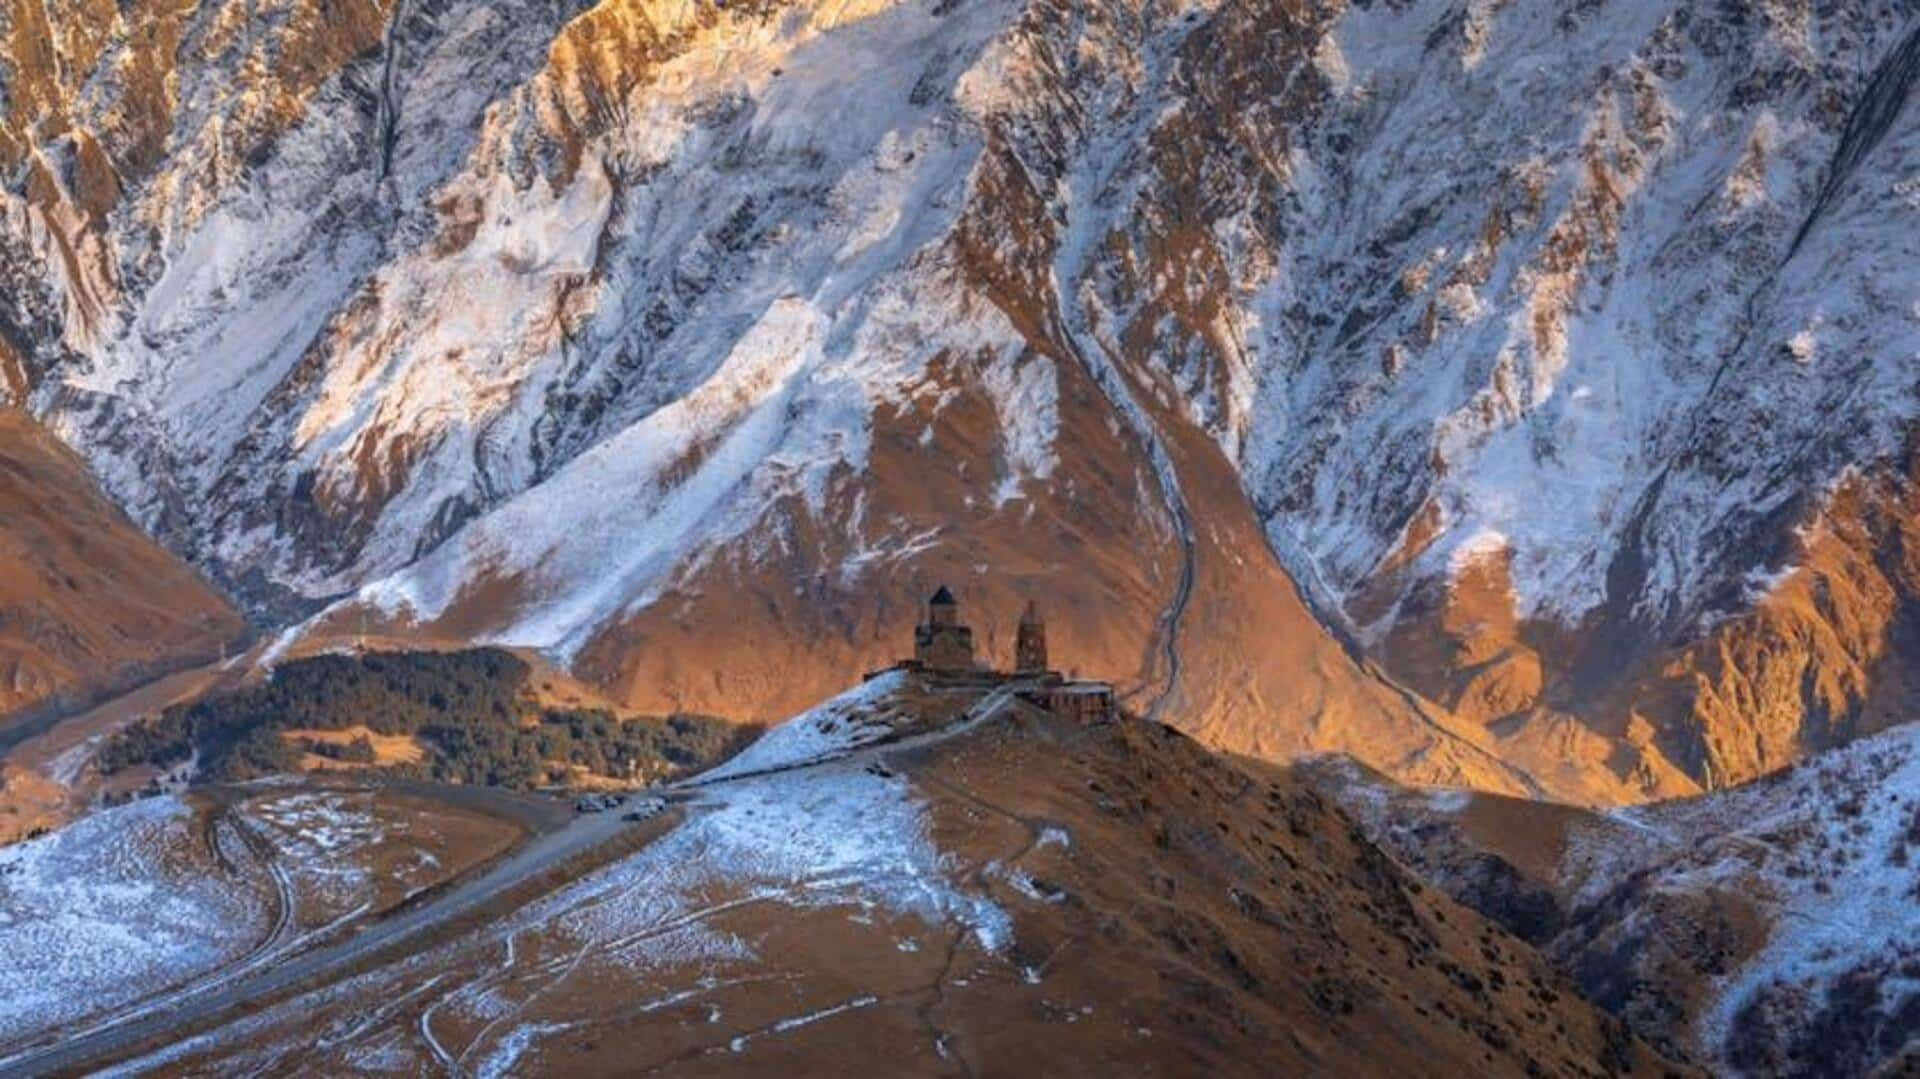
(965, 887)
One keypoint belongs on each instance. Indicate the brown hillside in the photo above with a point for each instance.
(1169, 913)
(87, 601)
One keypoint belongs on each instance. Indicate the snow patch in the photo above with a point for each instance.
(1026, 395)
(829, 835)
(111, 908)
(830, 729)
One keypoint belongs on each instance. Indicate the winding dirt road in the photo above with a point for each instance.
(543, 863)
(224, 993)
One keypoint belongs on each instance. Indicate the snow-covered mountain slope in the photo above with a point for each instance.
(88, 603)
(1768, 929)
(691, 343)
(1597, 399)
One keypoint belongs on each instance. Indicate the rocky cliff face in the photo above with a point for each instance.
(1679, 328)
(1313, 363)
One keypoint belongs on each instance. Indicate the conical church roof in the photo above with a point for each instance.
(943, 597)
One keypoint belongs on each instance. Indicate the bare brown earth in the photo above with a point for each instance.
(388, 749)
(47, 779)
(88, 603)
(1173, 913)
(757, 638)
(762, 638)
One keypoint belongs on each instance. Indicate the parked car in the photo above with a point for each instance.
(598, 803)
(644, 809)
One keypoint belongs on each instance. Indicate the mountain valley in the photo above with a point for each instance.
(642, 336)
(1463, 457)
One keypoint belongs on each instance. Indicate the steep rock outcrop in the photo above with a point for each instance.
(1766, 929)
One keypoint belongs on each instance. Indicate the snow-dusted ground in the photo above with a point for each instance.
(830, 729)
(1829, 852)
(129, 903)
(322, 837)
(813, 833)
(794, 825)
(825, 836)
(834, 833)
(113, 907)
(318, 825)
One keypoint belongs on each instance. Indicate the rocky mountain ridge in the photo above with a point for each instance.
(1449, 383)
(1764, 930)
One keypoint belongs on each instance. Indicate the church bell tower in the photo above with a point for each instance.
(1030, 644)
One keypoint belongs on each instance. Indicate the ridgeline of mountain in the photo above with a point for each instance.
(1510, 394)
(932, 873)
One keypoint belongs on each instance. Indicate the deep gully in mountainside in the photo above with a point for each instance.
(388, 121)
(1879, 106)
(1103, 161)
(1118, 391)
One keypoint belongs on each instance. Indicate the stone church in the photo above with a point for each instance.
(941, 643)
(944, 644)
(943, 653)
